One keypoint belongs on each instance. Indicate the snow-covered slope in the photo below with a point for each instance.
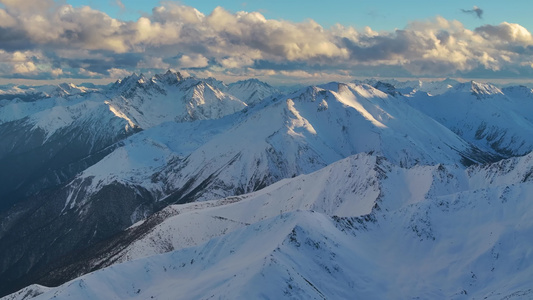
(353, 187)
(28, 292)
(48, 141)
(483, 115)
(54, 157)
(443, 233)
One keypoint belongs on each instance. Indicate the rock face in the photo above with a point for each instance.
(81, 166)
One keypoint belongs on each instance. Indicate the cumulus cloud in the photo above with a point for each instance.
(115, 73)
(56, 72)
(478, 12)
(193, 61)
(151, 62)
(26, 6)
(506, 32)
(6, 20)
(59, 40)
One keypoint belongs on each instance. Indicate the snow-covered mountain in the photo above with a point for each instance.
(147, 102)
(32, 93)
(60, 131)
(380, 231)
(251, 91)
(411, 87)
(185, 161)
(482, 114)
(50, 140)
(282, 138)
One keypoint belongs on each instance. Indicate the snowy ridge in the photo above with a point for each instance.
(29, 292)
(484, 116)
(480, 90)
(30, 93)
(51, 114)
(142, 102)
(410, 88)
(352, 187)
(278, 244)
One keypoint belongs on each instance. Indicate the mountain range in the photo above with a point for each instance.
(369, 189)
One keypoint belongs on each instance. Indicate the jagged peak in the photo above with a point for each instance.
(478, 89)
(68, 86)
(387, 88)
(484, 88)
(128, 79)
(170, 77)
(66, 89)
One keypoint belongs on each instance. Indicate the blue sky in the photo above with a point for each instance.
(378, 14)
(276, 41)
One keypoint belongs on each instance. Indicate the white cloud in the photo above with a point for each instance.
(6, 20)
(88, 73)
(25, 67)
(506, 32)
(151, 62)
(93, 43)
(237, 62)
(27, 6)
(115, 73)
(56, 72)
(193, 61)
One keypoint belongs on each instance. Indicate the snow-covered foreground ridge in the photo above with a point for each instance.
(92, 176)
(359, 228)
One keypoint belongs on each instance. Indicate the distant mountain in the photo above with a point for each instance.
(147, 102)
(432, 88)
(483, 115)
(251, 91)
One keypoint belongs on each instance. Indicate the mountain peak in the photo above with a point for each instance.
(251, 81)
(127, 81)
(487, 89)
(66, 89)
(251, 90)
(170, 77)
(478, 89)
(386, 88)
